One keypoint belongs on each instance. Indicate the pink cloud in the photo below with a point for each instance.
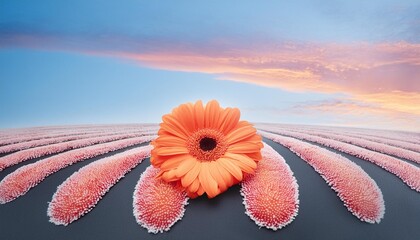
(382, 75)
(354, 68)
(351, 112)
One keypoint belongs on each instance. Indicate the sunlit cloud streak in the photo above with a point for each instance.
(377, 79)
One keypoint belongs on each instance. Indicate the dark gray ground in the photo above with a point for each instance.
(321, 214)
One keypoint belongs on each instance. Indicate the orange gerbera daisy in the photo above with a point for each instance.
(205, 149)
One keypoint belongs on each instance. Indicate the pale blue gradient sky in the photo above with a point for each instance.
(58, 62)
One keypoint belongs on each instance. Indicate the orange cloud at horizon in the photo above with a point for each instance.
(383, 77)
(386, 75)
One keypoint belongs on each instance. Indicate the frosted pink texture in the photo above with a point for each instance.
(26, 177)
(271, 194)
(359, 192)
(84, 189)
(368, 144)
(407, 172)
(38, 133)
(400, 143)
(157, 205)
(17, 157)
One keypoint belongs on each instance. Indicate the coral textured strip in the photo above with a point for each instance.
(379, 147)
(271, 194)
(354, 187)
(410, 137)
(408, 173)
(157, 205)
(383, 134)
(82, 191)
(48, 141)
(390, 142)
(17, 157)
(45, 134)
(405, 137)
(24, 178)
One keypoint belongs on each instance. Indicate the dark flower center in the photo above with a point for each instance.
(207, 144)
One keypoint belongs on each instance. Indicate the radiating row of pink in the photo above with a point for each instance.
(157, 205)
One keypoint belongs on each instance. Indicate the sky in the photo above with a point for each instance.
(340, 63)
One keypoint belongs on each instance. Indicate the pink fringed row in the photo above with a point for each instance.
(379, 147)
(24, 178)
(390, 142)
(354, 187)
(47, 141)
(44, 134)
(17, 157)
(382, 134)
(402, 137)
(394, 135)
(157, 205)
(40, 136)
(84, 189)
(408, 173)
(271, 194)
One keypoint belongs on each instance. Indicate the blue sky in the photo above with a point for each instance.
(133, 61)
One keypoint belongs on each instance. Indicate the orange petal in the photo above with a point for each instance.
(231, 120)
(200, 190)
(167, 151)
(185, 166)
(170, 120)
(245, 163)
(222, 117)
(155, 160)
(230, 167)
(256, 156)
(199, 114)
(169, 141)
(173, 162)
(194, 186)
(244, 147)
(240, 134)
(217, 176)
(190, 176)
(185, 114)
(226, 175)
(169, 176)
(255, 138)
(212, 113)
(207, 181)
(192, 195)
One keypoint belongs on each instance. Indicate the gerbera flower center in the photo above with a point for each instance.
(207, 144)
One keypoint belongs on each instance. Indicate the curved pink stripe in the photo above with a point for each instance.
(396, 143)
(271, 194)
(35, 131)
(44, 134)
(378, 147)
(15, 158)
(157, 205)
(383, 134)
(400, 143)
(47, 141)
(24, 178)
(354, 187)
(406, 137)
(82, 191)
(408, 173)
(41, 134)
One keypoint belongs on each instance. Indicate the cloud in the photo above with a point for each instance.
(350, 112)
(380, 78)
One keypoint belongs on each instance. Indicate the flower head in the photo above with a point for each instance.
(205, 149)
